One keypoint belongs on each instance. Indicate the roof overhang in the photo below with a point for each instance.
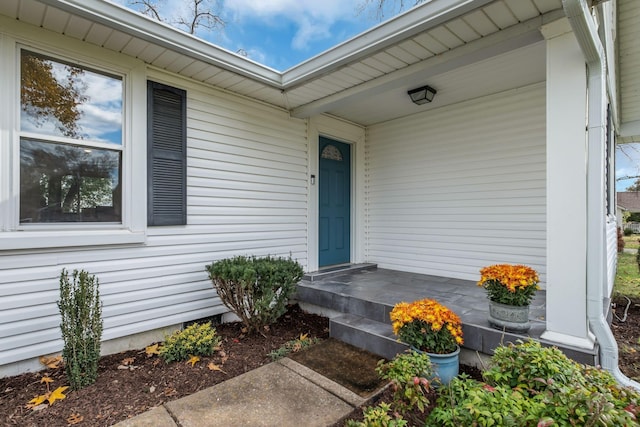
(421, 46)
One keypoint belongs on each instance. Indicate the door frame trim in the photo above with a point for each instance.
(354, 136)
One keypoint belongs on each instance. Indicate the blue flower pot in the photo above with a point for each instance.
(445, 366)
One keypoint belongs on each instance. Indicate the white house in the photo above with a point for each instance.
(181, 153)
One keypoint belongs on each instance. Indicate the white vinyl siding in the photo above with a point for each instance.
(457, 188)
(246, 195)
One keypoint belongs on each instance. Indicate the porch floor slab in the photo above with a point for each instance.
(358, 289)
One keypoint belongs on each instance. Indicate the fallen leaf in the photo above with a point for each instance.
(223, 356)
(46, 380)
(75, 419)
(51, 362)
(57, 394)
(213, 367)
(152, 349)
(267, 328)
(37, 401)
(193, 360)
(170, 391)
(297, 347)
(152, 389)
(303, 337)
(128, 361)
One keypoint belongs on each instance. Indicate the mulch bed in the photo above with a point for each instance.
(124, 390)
(626, 329)
(146, 382)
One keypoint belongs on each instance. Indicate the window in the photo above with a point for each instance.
(71, 145)
(166, 156)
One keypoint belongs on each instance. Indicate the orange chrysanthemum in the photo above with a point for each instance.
(427, 325)
(509, 284)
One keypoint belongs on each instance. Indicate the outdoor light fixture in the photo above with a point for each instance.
(422, 95)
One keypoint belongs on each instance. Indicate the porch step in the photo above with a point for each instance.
(367, 334)
(330, 297)
(337, 270)
(358, 300)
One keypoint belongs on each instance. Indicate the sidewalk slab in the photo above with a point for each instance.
(272, 395)
(156, 417)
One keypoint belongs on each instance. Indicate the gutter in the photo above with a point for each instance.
(586, 33)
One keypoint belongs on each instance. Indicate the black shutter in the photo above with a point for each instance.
(166, 155)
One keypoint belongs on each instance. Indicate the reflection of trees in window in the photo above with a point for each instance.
(64, 183)
(45, 96)
(67, 174)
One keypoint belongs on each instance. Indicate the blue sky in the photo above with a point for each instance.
(283, 33)
(627, 164)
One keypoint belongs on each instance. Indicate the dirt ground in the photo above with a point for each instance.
(626, 329)
(130, 383)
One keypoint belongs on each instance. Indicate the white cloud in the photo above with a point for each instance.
(313, 18)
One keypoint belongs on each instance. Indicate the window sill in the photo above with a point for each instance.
(37, 239)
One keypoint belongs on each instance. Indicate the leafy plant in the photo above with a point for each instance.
(81, 326)
(257, 290)
(427, 325)
(408, 373)
(378, 416)
(293, 346)
(530, 366)
(509, 284)
(467, 402)
(531, 385)
(194, 340)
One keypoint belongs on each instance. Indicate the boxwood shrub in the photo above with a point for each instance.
(257, 290)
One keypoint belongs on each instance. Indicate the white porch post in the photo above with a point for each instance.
(566, 188)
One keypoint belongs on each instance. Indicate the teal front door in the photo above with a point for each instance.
(334, 190)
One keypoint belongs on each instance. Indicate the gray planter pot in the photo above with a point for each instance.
(508, 317)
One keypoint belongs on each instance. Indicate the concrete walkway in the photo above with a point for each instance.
(283, 393)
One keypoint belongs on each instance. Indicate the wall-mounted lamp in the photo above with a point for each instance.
(422, 95)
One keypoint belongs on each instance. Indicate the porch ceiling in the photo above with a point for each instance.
(463, 48)
(629, 69)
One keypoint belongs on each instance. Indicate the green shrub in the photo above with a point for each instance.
(628, 232)
(256, 290)
(466, 402)
(194, 340)
(530, 366)
(378, 416)
(81, 326)
(408, 373)
(572, 393)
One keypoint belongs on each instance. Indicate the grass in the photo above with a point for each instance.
(631, 242)
(627, 277)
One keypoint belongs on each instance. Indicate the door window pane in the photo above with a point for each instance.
(69, 183)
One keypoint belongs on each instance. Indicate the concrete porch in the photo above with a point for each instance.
(358, 299)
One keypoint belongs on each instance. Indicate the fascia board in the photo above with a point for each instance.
(415, 21)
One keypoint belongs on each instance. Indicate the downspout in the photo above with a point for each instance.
(586, 33)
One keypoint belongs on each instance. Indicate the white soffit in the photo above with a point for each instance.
(629, 68)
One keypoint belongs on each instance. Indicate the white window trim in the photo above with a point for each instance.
(132, 230)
